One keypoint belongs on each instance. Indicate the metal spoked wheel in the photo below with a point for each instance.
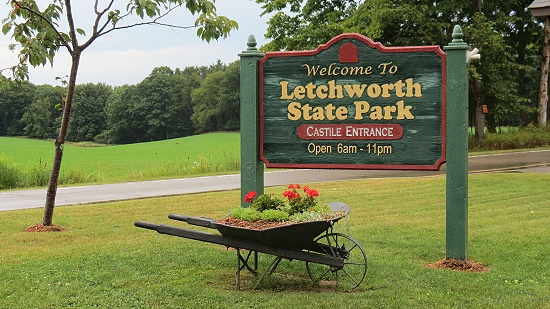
(355, 262)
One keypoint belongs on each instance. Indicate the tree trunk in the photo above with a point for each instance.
(543, 90)
(60, 142)
(479, 122)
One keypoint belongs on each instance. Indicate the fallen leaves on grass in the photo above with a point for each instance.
(460, 265)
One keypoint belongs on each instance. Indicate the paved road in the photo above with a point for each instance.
(530, 161)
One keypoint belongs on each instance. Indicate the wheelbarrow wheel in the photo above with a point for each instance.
(341, 246)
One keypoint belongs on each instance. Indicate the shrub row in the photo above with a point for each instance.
(529, 137)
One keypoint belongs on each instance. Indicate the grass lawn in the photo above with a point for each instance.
(103, 261)
(204, 154)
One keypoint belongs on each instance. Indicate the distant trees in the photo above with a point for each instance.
(216, 101)
(13, 102)
(166, 104)
(88, 117)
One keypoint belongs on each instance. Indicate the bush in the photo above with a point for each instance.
(528, 137)
(9, 174)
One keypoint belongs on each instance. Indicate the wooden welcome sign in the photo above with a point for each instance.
(355, 104)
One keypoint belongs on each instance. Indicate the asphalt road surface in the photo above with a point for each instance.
(529, 161)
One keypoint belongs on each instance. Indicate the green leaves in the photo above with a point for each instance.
(147, 7)
(6, 28)
(214, 27)
(35, 34)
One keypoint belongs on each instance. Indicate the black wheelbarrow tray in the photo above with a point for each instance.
(332, 258)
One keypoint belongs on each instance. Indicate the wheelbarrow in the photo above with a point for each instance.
(330, 257)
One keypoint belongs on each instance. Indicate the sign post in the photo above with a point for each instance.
(252, 169)
(354, 104)
(457, 144)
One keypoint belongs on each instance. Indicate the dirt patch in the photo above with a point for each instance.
(459, 265)
(44, 228)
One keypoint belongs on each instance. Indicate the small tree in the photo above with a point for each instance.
(40, 37)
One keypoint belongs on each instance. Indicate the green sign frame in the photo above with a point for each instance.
(353, 104)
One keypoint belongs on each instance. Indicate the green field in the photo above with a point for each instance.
(103, 261)
(205, 154)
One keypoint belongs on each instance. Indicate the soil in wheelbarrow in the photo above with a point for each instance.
(263, 225)
(253, 225)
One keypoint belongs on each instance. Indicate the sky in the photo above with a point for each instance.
(128, 56)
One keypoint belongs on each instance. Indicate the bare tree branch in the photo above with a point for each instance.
(152, 22)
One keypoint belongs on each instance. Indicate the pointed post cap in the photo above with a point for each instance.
(457, 34)
(251, 50)
(457, 42)
(251, 43)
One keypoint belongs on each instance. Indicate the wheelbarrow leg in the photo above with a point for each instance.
(240, 259)
(271, 268)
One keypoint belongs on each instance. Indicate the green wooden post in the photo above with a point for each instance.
(457, 148)
(252, 169)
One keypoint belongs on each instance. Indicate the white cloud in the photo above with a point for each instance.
(128, 56)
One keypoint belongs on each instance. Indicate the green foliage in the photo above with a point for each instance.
(216, 102)
(298, 208)
(38, 120)
(275, 215)
(9, 174)
(315, 213)
(523, 138)
(88, 117)
(300, 205)
(508, 37)
(246, 214)
(252, 214)
(13, 103)
(267, 202)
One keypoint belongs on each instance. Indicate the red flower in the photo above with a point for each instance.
(292, 186)
(249, 197)
(291, 194)
(312, 193)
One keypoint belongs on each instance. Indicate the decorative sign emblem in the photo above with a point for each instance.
(353, 103)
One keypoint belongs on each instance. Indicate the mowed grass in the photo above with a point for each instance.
(103, 261)
(205, 154)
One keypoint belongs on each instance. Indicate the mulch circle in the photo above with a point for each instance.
(44, 228)
(460, 265)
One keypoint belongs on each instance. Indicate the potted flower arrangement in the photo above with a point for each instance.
(267, 210)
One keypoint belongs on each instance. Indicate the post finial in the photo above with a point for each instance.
(251, 43)
(457, 34)
(457, 42)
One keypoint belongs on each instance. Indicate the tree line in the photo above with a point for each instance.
(503, 86)
(166, 104)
